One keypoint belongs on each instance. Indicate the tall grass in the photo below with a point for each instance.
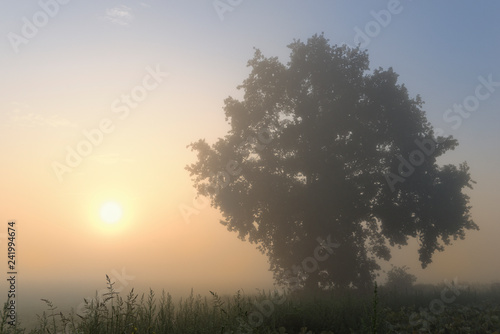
(384, 311)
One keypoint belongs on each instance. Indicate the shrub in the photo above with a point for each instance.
(399, 279)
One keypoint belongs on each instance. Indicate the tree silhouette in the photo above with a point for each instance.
(322, 151)
(399, 279)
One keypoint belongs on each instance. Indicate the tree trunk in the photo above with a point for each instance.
(311, 287)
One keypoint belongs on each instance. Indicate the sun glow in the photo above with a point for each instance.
(111, 212)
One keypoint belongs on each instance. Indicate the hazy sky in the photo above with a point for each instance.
(67, 67)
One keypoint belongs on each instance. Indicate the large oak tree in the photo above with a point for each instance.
(322, 148)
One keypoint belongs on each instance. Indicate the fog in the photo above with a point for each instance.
(64, 88)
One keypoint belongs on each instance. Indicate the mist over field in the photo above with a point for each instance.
(100, 102)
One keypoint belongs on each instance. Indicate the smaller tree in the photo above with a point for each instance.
(398, 278)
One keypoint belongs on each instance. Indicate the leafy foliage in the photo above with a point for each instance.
(308, 155)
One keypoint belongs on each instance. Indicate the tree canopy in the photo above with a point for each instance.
(322, 151)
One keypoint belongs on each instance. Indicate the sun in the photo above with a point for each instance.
(111, 212)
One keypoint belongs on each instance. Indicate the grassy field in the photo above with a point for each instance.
(447, 308)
